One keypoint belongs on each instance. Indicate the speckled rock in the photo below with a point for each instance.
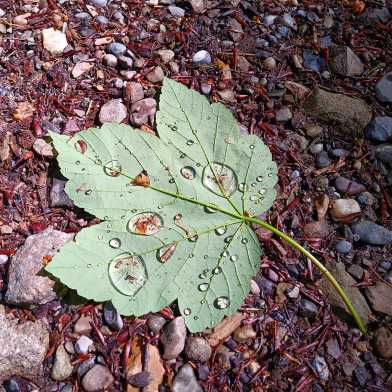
(198, 349)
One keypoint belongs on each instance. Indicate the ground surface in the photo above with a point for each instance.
(286, 337)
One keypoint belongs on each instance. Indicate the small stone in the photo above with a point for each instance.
(156, 75)
(155, 323)
(166, 55)
(383, 342)
(3, 259)
(85, 366)
(198, 5)
(254, 288)
(83, 345)
(269, 63)
(97, 379)
(83, 325)
(283, 115)
(345, 62)
(117, 49)
(343, 247)
(58, 197)
(54, 41)
(198, 349)
(269, 20)
(380, 129)
(102, 20)
(380, 297)
(173, 338)
(202, 57)
(185, 380)
(371, 233)
(384, 153)
(112, 317)
(110, 60)
(321, 367)
(139, 380)
(143, 111)
(298, 90)
(348, 187)
(21, 20)
(176, 11)
(244, 334)
(125, 62)
(361, 375)
(113, 111)
(307, 308)
(348, 369)
(235, 29)
(313, 62)
(345, 210)
(322, 160)
(356, 271)
(98, 3)
(227, 95)
(316, 148)
(333, 348)
(62, 367)
(289, 21)
(384, 89)
(42, 148)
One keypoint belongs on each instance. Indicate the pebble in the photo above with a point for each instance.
(54, 41)
(155, 323)
(83, 325)
(254, 288)
(321, 367)
(21, 20)
(283, 115)
(366, 198)
(307, 308)
(384, 89)
(58, 197)
(383, 342)
(202, 57)
(343, 246)
(348, 187)
(83, 345)
(312, 61)
(345, 62)
(269, 20)
(361, 375)
(322, 160)
(185, 380)
(176, 11)
(198, 349)
(85, 366)
(380, 297)
(344, 210)
(117, 49)
(41, 147)
(113, 111)
(269, 63)
(98, 3)
(380, 129)
(289, 21)
(244, 334)
(156, 75)
(62, 367)
(384, 153)
(142, 111)
(316, 148)
(371, 233)
(97, 379)
(356, 271)
(110, 60)
(173, 338)
(3, 259)
(102, 20)
(166, 55)
(112, 317)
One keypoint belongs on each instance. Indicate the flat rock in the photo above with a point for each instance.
(25, 287)
(384, 89)
(185, 380)
(173, 338)
(371, 233)
(345, 62)
(23, 346)
(380, 129)
(156, 75)
(113, 111)
(97, 379)
(349, 115)
(347, 282)
(380, 297)
(54, 41)
(201, 57)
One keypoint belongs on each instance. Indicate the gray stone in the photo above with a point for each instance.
(349, 115)
(155, 323)
(83, 325)
(235, 29)
(343, 246)
(98, 3)
(156, 75)
(321, 367)
(58, 197)
(348, 187)
(198, 349)
(289, 21)
(102, 20)
(283, 115)
(23, 346)
(113, 111)
(361, 375)
(371, 233)
(125, 62)
(348, 283)
(173, 338)
(380, 129)
(117, 48)
(384, 89)
(384, 152)
(112, 317)
(322, 160)
(380, 297)
(201, 57)
(133, 92)
(307, 308)
(143, 111)
(110, 60)
(185, 380)
(166, 55)
(25, 287)
(97, 379)
(356, 271)
(62, 367)
(198, 5)
(345, 62)
(176, 11)
(316, 148)
(83, 344)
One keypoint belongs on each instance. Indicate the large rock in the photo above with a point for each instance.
(380, 297)
(22, 347)
(345, 62)
(25, 287)
(347, 282)
(349, 115)
(384, 89)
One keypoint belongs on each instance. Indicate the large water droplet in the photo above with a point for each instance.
(203, 286)
(166, 252)
(222, 302)
(81, 146)
(224, 178)
(112, 168)
(220, 230)
(127, 273)
(145, 223)
(188, 172)
(187, 311)
(234, 258)
(115, 243)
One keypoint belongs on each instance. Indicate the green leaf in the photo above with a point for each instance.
(184, 236)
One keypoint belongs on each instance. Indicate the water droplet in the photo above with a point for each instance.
(221, 230)
(228, 239)
(189, 142)
(171, 180)
(88, 192)
(77, 163)
(205, 257)
(234, 258)
(262, 191)
(253, 198)
(166, 252)
(191, 255)
(134, 210)
(188, 172)
(187, 311)
(269, 174)
(145, 223)
(244, 241)
(253, 185)
(112, 168)
(252, 146)
(216, 270)
(127, 273)
(109, 225)
(198, 164)
(182, 156)
(81, 146)
(196, 318)
(89, 265)
(194, 238)
(115, 243)
(203, 286)
(203, 301)
(221, 176)
(98, 162)
(242, 187)
(203, 275)
(225, 253)
(259, 178)
(222, 302)
(100, 237)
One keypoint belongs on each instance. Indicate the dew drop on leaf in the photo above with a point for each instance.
(182, 156)
(188, 172)
(189, 142)
(210, 210)
(242, 187)
(171, 180)
(100, 237)
(222, 176)
(225, 253)
(112, 168)
(203, 286)
(244, 241)
(166, 252)
(196, 318)
(77, 163)
(220, 230)
(127, 273)
(228, 239)
(216, 270)
(222, 302)
(145, 223)
(81, 146)
(88, 192)
(89, 265)
(252, 146)
(234, 258)
(187, 311)
(253, 185)
(115, 243)
(194, 238)
(259, 178)
(253, 198)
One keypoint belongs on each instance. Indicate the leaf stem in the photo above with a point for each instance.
(315, 261)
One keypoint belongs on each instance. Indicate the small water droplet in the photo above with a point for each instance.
(262, 191)
(259, 178)
(198, 164)
(220, 176)
(252, 146)
(171, 180)
(210, 210)
(77, 163)
(194, 238)
(203, 301)
(203, 286)
(189, 142)
(228, 239)
(89, 265)
(109, 225)
(122, 217)
(253, 185)
(134, 210)
(191, 255)
(216, 270)
(145, 223)
(242, 187)
(166, 252)
(187, 311)
(203, 275)
(212, 322)
(253, 198)
(112, 168)
(221, 230)
(244, 241)
(225, 253)
(269, 174)
(182, 156)
(196, 318)
(115, 243)
(100, 237)
(88, 192)
(205, 257)
(234, 258)
(188, 172)
(81, 146)
(98, 162)
(222, 302)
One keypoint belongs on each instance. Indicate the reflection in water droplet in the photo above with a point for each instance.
(196, 318)
(222, 176)
(115, 243)
(262, 191)
(216, 270)
(191, 255)
(166, 252)
(187, 311)
(98, 162)
(205, 257)
(242, 187)
(112, 168)
(189, 142)
(100, 237)
(253, 184)
(234, 258)
(88, 192)
(127, 273)
(188, 172)
(203, 286)
(221, 230)
(244, 241)
(259, 178)
(222, 302)
(252, 146)
(81, 146)
(210, 210)
(145, 223)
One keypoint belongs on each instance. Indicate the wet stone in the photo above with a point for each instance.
(155, 323)
(98, 3)
(185, 380)
(143, 111)
(380, 129)
(125, 62)
(176, 11)
(112, 317)
(85, 366)
(284, 115)
(316, 148)
(356, 271)
(198, 349)
(97, 379)
(173, 338)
